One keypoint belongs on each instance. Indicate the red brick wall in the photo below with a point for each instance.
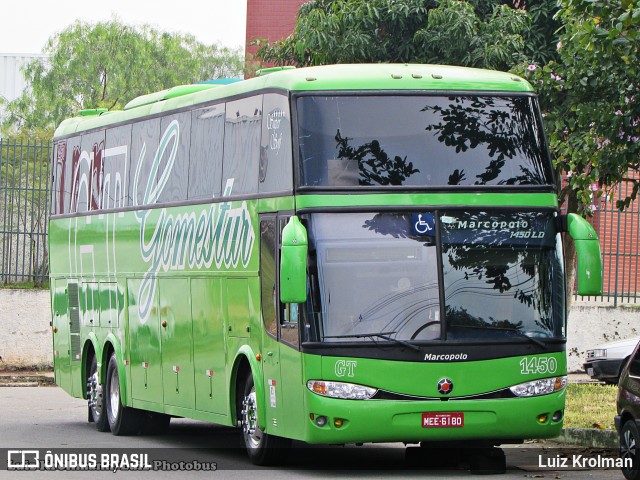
(270, 19)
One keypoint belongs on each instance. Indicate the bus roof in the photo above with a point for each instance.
(355, 77)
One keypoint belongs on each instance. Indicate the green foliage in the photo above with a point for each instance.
(541, 38)
(106, 65)
(591, 97)
(478, 33)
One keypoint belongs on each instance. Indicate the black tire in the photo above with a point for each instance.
(156, 423)
(96, 404)
(433, 457)
(263, 449)
(629, 448)
(487, 461)
(122, 420)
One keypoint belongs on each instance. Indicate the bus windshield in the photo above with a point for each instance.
(375, 276)
(407, 140)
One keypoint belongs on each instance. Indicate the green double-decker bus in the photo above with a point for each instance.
(338, 254)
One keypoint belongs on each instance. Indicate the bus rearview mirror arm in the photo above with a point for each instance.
(293, 262)
(589, 267)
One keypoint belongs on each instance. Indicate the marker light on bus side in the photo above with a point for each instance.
(347, 391)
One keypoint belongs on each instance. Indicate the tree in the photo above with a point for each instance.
(477, 33)
(591, 100)
(107, 64)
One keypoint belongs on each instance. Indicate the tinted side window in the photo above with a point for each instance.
(145, 138)
(243, 126)
(173, 162)
(91, 172)
(58, 193)
(205, 162)
(275, 173)
(71, 174)
(634, 366)
(268, 268)
(116, 167)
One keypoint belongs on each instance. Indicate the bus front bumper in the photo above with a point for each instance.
(336, 421)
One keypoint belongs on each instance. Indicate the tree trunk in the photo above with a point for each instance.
(570, 251)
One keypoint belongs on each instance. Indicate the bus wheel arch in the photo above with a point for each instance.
(262, 448)
(244, 366)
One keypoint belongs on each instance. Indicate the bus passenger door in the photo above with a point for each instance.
(269, 307)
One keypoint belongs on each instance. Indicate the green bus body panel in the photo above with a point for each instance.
(412, 200)
(372, 77)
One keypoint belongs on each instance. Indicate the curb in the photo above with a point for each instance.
(588, 437)
(26, 379)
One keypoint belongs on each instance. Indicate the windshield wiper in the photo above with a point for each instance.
(383, 335)
(514, 330)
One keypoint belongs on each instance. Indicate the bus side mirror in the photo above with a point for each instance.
(293, 262)
(589, 268)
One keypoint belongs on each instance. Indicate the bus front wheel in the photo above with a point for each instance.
(122, 420)
(262, 448)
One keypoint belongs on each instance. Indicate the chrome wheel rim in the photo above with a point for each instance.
(250, 429)
(114, 394)
(95, 396)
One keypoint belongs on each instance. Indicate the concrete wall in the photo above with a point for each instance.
(26, 337)
(25, 340)
(593, 323)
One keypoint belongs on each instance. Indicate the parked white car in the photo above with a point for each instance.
(605, 362)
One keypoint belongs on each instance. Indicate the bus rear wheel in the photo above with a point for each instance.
(95, 398)
(122, 420)
(262, 448)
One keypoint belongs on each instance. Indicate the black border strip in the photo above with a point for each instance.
(182, 203)
(472, 350)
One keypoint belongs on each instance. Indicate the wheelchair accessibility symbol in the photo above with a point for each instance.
(423, 224)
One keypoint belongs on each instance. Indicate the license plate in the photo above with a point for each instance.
(590, 372)
(443, 419)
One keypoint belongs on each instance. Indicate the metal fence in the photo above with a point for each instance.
(24, 207)
(619, 233)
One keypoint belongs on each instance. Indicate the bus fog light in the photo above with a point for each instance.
(338, 422)
(557, 415)
(321, 421)
(539, 387)
(543, 417)
(347, 391)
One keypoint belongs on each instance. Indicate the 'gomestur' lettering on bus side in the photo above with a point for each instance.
(221, 234)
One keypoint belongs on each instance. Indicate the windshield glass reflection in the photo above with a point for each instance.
(426, 141)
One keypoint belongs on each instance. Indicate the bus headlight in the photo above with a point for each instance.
(539, 387)
(347, 391)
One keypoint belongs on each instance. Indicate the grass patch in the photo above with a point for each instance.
(590, 405)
